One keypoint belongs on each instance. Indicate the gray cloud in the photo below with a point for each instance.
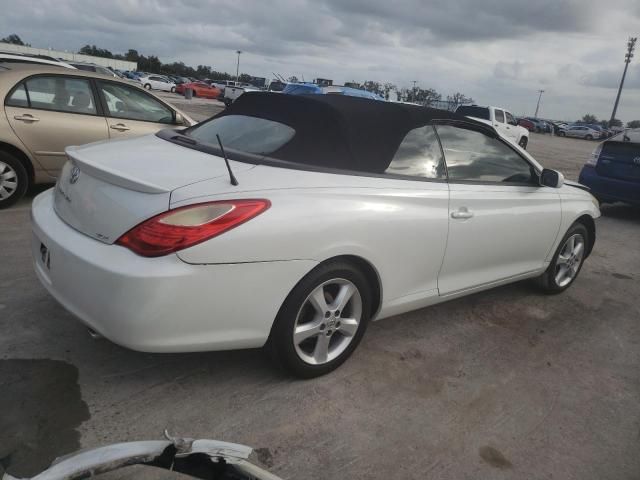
(496, 50)
(610, 78)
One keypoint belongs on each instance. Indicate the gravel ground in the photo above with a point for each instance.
(564, 154)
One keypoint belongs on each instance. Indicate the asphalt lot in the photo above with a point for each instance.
(503, 384)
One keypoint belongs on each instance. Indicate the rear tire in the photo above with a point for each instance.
(173, 89)
(322, 320)
(588, 137)
(14, 180)
(561, 134)
(567, 261)
(523, 143)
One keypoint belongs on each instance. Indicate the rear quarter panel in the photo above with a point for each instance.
(399, 227)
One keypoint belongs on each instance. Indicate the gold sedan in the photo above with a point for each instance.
(47, 108)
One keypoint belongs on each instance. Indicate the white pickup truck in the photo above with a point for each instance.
(231, 92)
(499, 118)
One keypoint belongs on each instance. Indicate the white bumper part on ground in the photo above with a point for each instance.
(158, 304)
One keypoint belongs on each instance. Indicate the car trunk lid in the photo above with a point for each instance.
(107, 188)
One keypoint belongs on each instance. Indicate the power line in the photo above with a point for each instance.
(631, 45)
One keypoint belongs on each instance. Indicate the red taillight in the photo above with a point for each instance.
(187, 226)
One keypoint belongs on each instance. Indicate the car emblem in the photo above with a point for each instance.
(75, 174)
(636, 160)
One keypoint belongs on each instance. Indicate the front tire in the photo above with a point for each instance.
(147, 86)
(322, 320)
(173, 89)
(14, 180)
(561, 134)
(567, 261)
(588, 137)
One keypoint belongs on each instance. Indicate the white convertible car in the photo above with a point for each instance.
(292, 221)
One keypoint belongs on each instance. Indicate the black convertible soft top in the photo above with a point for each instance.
(342, 132)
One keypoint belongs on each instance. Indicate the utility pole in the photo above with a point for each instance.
(238, 66)
(535, 115)
(631, 45)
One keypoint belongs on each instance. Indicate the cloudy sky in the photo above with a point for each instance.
(499, 52)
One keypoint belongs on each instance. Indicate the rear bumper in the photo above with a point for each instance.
(158, 304)
(609, 189)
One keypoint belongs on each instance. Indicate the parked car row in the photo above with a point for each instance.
(563, 129)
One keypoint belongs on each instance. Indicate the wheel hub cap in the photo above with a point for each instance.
(327, 321)
(569, 260)
(8, 181)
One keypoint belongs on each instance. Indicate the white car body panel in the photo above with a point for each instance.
(188, 301)
(144, 303)
(527, 219)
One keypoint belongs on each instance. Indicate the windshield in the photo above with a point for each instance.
(244, 133)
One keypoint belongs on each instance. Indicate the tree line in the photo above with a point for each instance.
(152, 64)
(593, 120)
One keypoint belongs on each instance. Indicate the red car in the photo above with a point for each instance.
(528, 124)
(200, 89)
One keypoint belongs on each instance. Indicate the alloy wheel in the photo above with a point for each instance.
(569, 260)
(8, 181)
(327, 321)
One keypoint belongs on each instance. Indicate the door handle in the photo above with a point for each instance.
(461, 213)
(121, 127)
(26, 118)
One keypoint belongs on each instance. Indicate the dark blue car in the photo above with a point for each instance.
(613, 172)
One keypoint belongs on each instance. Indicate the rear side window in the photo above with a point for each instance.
(472, 156)
(471, 111)
(244, 133)
(61, 94)
(18, 98)
(419, 155)
(499, 116)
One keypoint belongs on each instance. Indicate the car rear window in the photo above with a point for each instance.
(244, 133)
(471, 111)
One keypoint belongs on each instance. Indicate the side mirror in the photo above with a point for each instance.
(551, 178)
(180, 119)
